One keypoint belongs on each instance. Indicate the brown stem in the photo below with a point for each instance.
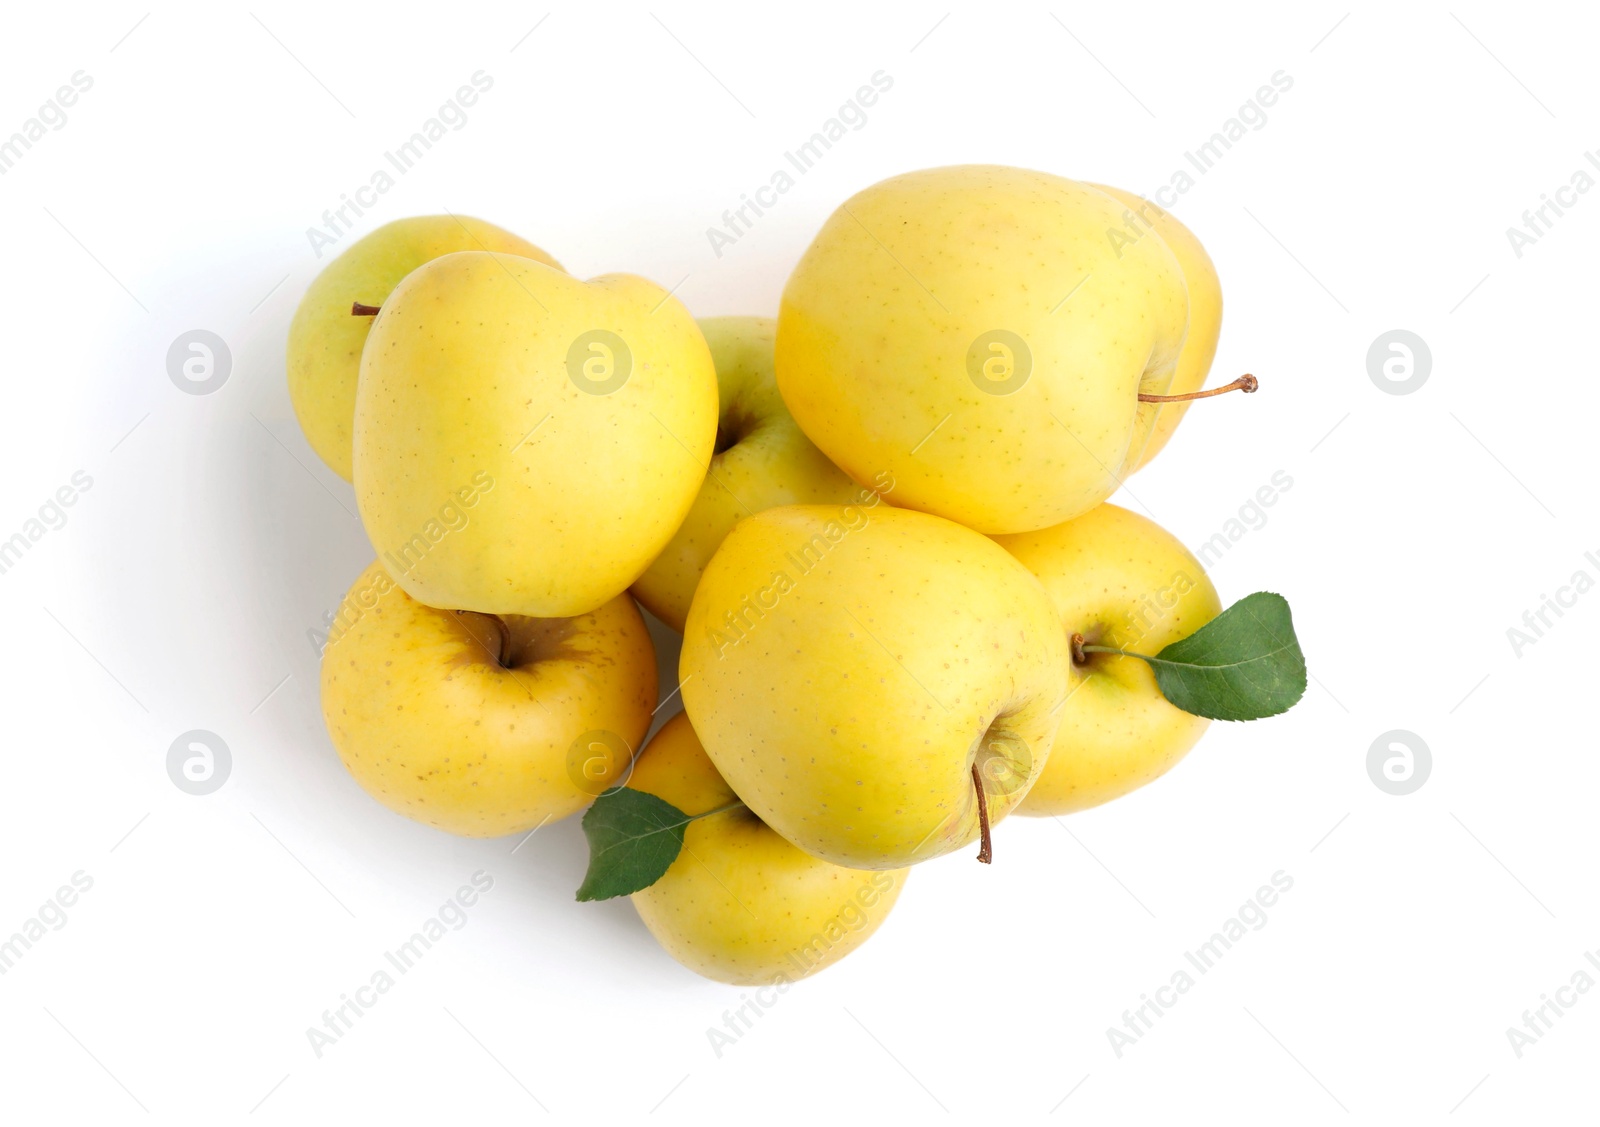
(359, 310)
(504, 656)
(505, 641)
(1078, 656)
(986, 849)
(1245, 383)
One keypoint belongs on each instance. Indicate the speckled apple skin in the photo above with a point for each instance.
(882, 326)
(740, 904)
(431, 725)
(1120, 580)
(325, 340)
(472, 375)
(846, 667)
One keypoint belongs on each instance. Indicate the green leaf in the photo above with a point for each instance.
(633, 839)
(1244, 664)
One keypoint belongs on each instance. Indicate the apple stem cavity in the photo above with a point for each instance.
(1078, 655)
(359, 310)
(1245, 383)
(986, 848)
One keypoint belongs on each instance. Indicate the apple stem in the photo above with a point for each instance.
(1081, 652)
(359, 310)
(1124, 653)
(986, 849)
(734, 805)
(1245, 383)
(504, 656)
(505, 641)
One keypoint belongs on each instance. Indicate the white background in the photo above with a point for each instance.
(1420, 527)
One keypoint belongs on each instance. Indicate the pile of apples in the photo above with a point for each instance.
(879, 522)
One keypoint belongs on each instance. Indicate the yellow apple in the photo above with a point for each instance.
(1119, 580)
(979, 333)
(1205, 310)
(762, 460)
(484, 726)
(526, 442)
(847, 667)
(325, 341)
(740, 904)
